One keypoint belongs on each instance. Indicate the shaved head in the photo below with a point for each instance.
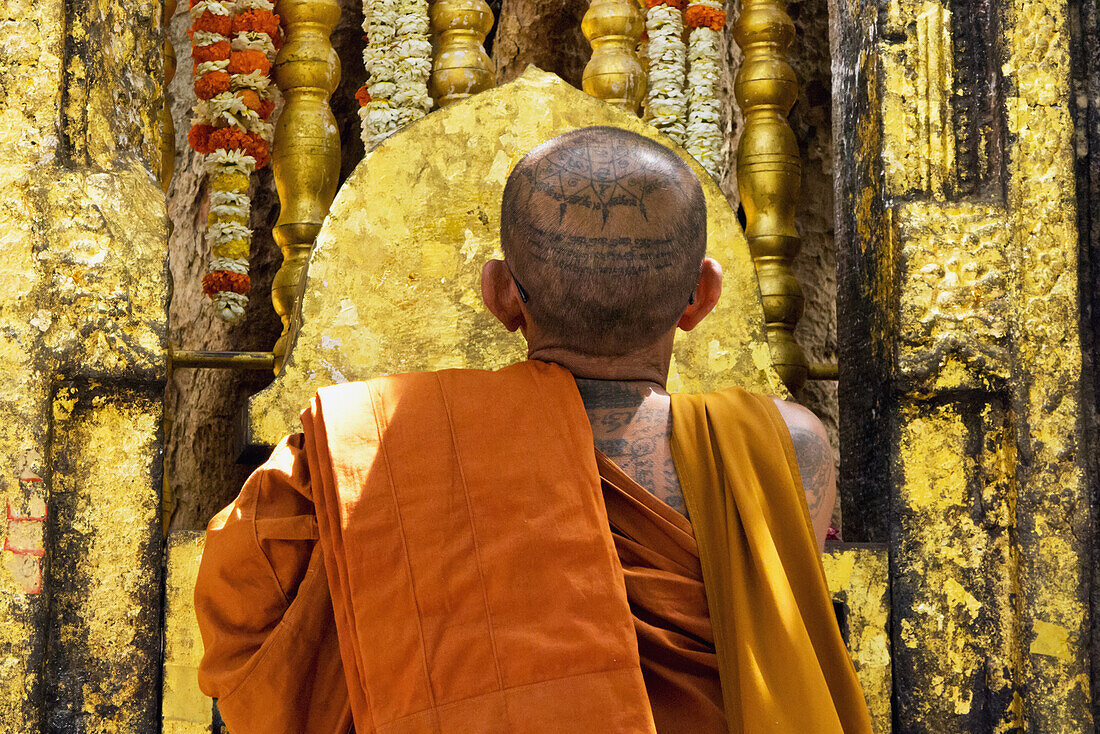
(606, 231)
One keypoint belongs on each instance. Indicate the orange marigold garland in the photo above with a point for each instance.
(705, 16)
(234, 43)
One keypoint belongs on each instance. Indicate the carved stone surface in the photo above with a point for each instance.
(1087, 86)
(954, 304)
(961, 399)
(184, 708)
(859, 579)
(82, 345)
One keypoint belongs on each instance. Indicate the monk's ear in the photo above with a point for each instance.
(707, 291)
(501, 296)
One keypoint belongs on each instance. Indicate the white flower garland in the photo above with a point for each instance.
(666, 104)
(229, 306)
(254, 41)
(216, 7)
(703, 137)
(398, 59)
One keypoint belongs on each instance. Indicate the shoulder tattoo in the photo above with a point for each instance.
(815, 465)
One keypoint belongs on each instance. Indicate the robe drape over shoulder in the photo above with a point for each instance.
(783, 663)
(434, 554)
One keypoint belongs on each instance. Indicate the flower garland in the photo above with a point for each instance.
(234, 43)
(666, 104)
(398, 57)
(703, 139)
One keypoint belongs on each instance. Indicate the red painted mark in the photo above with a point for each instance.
(24, 541)
(15, 547)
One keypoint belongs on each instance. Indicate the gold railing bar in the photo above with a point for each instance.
(614, 73)
(823, 371)
(769, 175)
(222, 360)
(305, 156)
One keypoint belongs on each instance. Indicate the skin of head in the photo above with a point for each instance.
(605, 231)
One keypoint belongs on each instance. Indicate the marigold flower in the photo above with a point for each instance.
(678, 4)
(266, 108)
(212, 84)
(363, 95)
(250, 98)
(213, 23)
(214, 52)
(231, 138)
(199, 138)
(261, 21)
(225, 280)
(246, 62)
(701, 16)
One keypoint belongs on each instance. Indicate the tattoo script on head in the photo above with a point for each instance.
(815, 466)
(598, 176)
(634, 433)
(619, 256)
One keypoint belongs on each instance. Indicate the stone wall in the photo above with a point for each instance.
(82, 353)
(1085, 24)
(966, 385)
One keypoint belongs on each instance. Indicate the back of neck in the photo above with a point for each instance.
(632, 425)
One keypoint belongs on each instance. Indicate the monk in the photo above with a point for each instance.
(556, 547)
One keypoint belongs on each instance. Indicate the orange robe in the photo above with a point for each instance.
(664, 583)
(477, 583)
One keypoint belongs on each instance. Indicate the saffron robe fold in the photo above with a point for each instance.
(664, 583)
(783, 663)
(476, 586)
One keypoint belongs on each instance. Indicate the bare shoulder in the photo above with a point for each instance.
(814, 455)
(799, 416)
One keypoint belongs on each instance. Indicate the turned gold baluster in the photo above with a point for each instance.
(614, 73)
(305, 156)
(769, 175)
(167, 126)
(460, 66)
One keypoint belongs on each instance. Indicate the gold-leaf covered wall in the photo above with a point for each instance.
(964, 401)
(82, 337)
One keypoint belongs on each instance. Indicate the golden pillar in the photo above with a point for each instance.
(82, 349)
(963, 389)
(460, 66)
(167, 126)
(305, 157)
(769, 175)
(614, 73)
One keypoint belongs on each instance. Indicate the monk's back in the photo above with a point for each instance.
(631, 429)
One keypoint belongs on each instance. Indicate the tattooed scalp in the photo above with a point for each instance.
(606, 229)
